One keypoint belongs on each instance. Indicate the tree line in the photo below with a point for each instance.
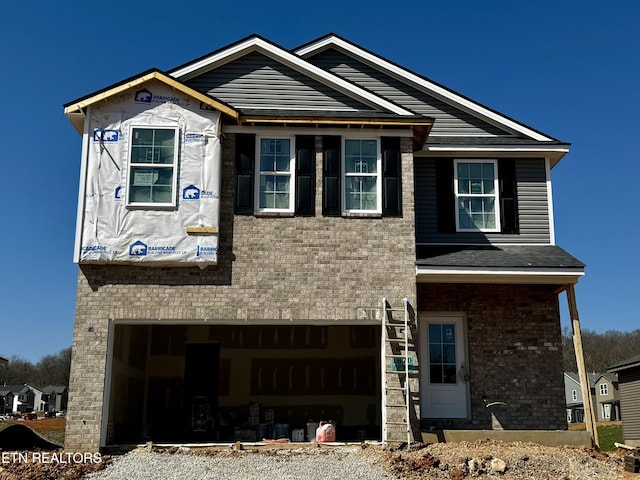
(600, 350)
(50, 370)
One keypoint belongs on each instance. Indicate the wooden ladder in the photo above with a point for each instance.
(395, 334)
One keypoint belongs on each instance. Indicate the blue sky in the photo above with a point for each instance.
(568, 68)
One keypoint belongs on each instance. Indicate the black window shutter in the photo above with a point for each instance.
(508, 196)
(331, 194)
(245, 159)
(391, 188)
(305, 175)
(445, 197)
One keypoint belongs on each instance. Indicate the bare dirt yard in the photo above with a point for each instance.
(485, 459)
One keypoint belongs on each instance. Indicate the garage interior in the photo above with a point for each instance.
(199, 383)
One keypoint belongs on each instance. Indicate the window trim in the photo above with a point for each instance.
(574, 395)
(291, 174)
(174, 166)
(604, 389)
(495, 195)
(344, 175)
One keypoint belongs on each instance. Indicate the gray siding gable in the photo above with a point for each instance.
(449, 120)
(257, 81)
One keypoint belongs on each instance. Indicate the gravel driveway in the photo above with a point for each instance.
(307, 464)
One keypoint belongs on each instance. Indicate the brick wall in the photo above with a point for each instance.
(514, 351)
(270, 269)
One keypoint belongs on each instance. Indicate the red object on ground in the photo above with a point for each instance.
(326, 433)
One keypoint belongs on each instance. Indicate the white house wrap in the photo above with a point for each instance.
(181, 229)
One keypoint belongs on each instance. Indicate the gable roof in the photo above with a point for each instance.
(75, 110)
(256, 43)
(332, 40)
(517, 137)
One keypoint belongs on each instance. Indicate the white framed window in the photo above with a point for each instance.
(274, 184)
(574, 395)
(362, 176)
(152, 170)
(604, 389)
(476, 190)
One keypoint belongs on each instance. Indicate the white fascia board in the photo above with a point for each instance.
(498, 276)
(82, 188)
(360, 132)
(553, 154)
(296, 63)
(421, 82)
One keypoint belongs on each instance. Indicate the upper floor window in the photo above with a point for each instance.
(604, 389)
(153, 158)
(574, 395)
(362, 183)
(476, 192)
(274, 185)
(277, 174)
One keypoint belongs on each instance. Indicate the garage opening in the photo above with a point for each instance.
(195, 383)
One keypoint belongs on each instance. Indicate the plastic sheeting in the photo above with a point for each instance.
(113, 231)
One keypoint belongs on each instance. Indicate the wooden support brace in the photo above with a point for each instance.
(587, 401)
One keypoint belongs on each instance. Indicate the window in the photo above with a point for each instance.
(151, 179)
(476, 192)
(275, 174)
(604, 389)
(574, 395)
(362, 185)
(275, 188)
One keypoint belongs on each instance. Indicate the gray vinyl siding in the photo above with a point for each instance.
(258, 81)
(533, 212)
(629, 385)
(448, 120)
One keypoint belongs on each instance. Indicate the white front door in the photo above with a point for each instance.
(443, 378)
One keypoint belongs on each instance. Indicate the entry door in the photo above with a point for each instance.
(443, 380)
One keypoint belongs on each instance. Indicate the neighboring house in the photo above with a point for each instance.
(55, 398)
(7, 400)
(607, 397)
(3, 361)
(21, 398)
(241, 219)
(628, 373)
(604, 395)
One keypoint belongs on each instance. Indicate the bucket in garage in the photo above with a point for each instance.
(280, 430)
(263, 431)
(311, 431)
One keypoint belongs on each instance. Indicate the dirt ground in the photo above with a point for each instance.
(485, 459)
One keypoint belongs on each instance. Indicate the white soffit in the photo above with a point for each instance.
(289, 59)
(497, 276)
(436, 89)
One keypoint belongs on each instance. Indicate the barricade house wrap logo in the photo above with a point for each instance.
(191, 193)
(138, 249)
(105, 136)
(141, 249)
(206, 251)
(147, 96)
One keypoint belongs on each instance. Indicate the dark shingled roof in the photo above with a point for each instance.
(507, 256)
(628, 363)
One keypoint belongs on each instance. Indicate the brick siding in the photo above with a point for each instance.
(270, 269)
(514, 351)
